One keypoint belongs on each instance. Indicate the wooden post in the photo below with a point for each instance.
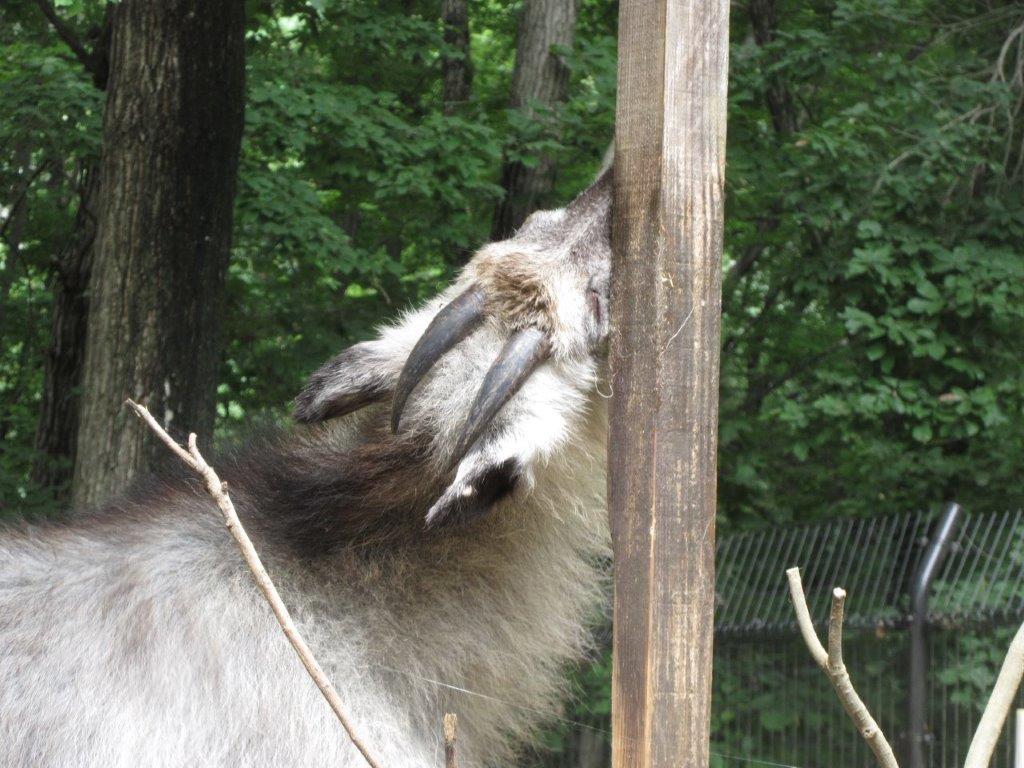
(666, 307)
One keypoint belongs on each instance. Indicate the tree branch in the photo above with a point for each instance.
(992, 719)
(831, 661)
(760, 388)
(66, 33)
(21, 194)
(766, 306)
(451, 722)
(219, 491)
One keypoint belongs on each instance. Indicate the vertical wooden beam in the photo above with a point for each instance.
(666, 307)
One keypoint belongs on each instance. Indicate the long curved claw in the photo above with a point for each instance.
(520, 357)
(450, 326)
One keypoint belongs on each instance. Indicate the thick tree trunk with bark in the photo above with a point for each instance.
(172, 129)
(540, 78)
(57, 427)
(764, 20)
(457, 66)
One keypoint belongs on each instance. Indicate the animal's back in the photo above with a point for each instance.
(140, 639)
(146, 644)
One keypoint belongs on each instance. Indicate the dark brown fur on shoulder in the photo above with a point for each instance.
(314, 499)
(300, 493)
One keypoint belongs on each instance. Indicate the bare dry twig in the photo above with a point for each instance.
(831, 661)
(451, 723)
(219, 491)
(1003, 693)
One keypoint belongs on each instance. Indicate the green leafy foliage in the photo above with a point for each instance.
(874, 232)
(49, 133)
(874, 277)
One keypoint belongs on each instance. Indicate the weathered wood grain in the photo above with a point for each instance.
(666, 307)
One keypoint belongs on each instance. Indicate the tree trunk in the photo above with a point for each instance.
(172, 129)
(456, 66)
(57, 424)
(764, 20)
(57, 427)
(540, 78)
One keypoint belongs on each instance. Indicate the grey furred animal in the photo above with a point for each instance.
(437, 522)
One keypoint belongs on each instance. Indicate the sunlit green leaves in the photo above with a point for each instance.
(879, 325)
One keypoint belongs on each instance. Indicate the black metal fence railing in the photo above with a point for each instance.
(773, 705)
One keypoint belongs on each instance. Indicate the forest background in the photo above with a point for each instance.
(333, 163)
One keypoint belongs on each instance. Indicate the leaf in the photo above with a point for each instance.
(778, 719)
(928, 290)
(923, 306)
(922, 433)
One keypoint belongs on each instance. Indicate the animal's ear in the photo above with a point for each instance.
(361, 375)
(480, 483)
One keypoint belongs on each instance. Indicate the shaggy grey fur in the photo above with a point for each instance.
(133, 635)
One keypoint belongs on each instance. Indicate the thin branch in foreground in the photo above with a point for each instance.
(992, 719)
(831, 661)
(451, 722)
(219, 491)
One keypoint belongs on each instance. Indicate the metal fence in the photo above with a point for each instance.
(773, 706)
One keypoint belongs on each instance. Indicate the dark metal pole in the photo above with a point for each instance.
(919, 592)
